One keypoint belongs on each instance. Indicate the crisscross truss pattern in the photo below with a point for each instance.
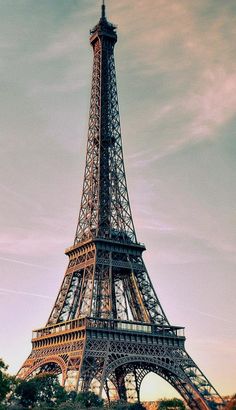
(107, 281)
(105, 209)
(125, 363)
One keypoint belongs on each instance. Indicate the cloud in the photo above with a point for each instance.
(201, 115)
(214, 106)
(210, 315)
(185, 209)
(64, 44)
(198, 235)
(23, 262)
(19, 292)
(191, 61)
(68, 37)
(18, 196)
(21, 242)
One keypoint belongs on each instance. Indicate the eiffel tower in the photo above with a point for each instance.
(107, 329)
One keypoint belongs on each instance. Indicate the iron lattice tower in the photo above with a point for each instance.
(107, 328)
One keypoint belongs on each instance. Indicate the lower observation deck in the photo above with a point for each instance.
(96, 328)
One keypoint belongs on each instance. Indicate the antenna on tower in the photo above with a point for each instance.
(103, 9)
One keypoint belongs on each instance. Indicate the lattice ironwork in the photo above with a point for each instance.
(107, 328)
(105, 210)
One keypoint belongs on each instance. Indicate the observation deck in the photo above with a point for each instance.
(97, 328)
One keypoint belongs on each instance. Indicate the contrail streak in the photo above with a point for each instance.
(209, 315)
(23, 263)
(19, 292)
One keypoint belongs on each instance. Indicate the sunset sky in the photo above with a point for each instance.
(176, 73)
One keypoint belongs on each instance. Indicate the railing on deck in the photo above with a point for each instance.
(113, 325)
(59, 327)
(130, 326)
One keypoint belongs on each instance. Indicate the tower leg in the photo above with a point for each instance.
(132, 390)
(120, 378)
(71, 381)
(111, 391)
(137, 386)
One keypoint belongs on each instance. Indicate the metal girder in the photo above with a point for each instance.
(107, 284)
(105, 209)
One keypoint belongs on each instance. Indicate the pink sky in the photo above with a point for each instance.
(177, 92)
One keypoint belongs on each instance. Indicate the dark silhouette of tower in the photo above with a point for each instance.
(107, 328)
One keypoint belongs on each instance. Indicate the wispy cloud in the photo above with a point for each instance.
(20, 242)
(18, 196)
(23, 262)
(194, 59)
(210, 315)
(213, 106)
(206, 109)
(64, 43)
(19, 292)
(185, 242)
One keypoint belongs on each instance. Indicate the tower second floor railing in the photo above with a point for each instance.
(111, 325)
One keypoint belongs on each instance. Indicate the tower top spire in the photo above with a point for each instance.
(103, 28)
(103, 10)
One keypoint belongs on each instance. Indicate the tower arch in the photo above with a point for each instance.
(165, 368)
(50, 365)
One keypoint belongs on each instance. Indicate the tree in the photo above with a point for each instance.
(120, 405)
(231, 404)
(26, 393)
(68, 406)
(173, 404)
(5, 381)
(88, 399)
(49, 391)
(137, 406)
(42, 391)
(124, 405)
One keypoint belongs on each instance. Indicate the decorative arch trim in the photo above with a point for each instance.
(51, 359)
(161, 365)
(144, 359)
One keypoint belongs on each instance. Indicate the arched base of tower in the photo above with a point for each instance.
(102, 355)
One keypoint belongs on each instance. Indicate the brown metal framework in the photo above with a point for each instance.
(107, 328)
